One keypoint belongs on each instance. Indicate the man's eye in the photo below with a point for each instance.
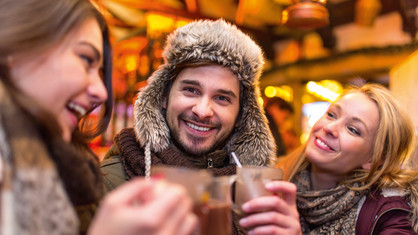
(191, 90)
(223, 98)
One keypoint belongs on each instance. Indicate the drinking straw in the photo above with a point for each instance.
(236, 160)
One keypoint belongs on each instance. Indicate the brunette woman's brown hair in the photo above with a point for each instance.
(29, 27)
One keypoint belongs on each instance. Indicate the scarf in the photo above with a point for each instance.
(331, 211)
(133, 157)
(40, 182)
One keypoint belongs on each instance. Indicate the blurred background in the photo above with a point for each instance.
(313, 50)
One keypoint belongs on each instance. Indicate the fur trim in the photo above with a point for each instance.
(223, 43)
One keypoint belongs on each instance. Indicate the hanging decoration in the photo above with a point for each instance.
(306, 14)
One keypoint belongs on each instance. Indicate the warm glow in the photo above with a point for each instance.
(158, 24)
(180, 23)
(191, 5)
(327, 90)
(270, 91)
(284, 92)
(261, 101)
(285, 16)
(131, 62)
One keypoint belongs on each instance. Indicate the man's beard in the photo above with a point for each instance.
(195, 141)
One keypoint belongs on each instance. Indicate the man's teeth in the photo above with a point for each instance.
(77, 108)
(198, 128)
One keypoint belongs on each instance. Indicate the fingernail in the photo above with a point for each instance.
(269, 184)
(245, 207)
(157, 177)
(243, 222)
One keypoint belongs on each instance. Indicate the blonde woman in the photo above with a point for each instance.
(353, 175)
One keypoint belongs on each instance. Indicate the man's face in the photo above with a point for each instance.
(202, 108)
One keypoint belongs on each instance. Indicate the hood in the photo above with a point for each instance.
(222, 43)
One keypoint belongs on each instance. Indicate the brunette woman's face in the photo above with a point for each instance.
(65, 80)
(343, 138)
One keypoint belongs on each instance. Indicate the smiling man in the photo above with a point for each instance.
(198, 107)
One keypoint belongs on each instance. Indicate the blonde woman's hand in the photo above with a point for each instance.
(145, 207)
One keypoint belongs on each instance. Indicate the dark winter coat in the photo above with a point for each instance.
(384, 214)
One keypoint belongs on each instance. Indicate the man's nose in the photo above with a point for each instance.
(203, 108)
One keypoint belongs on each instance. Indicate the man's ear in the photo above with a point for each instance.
(367, 165)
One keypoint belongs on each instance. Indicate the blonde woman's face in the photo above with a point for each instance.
(65, 80)
(343, 138)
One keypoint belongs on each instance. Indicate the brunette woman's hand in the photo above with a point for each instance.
(145, 207)
(275, 214)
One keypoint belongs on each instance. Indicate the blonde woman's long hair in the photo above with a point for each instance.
(392, 151)
(392, 148)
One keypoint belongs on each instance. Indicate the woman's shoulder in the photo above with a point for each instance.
(386, 210)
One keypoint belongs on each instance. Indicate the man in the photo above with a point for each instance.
(199, 106)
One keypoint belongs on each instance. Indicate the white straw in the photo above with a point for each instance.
(236, 159)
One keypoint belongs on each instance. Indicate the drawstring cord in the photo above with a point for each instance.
(147, 162)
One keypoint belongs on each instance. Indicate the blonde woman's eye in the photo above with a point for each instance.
(354, 131)
(331, 115)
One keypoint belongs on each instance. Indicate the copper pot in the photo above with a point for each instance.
(306, 15)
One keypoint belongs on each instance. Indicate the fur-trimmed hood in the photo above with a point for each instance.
(222, 43)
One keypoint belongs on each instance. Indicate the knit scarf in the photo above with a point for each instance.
(133, 157)
(332, 211)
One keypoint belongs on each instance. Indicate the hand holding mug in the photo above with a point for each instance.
(250, 184)
(273, 214)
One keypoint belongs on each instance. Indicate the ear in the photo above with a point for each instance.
(367, 165)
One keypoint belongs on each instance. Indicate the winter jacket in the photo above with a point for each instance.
(149, 143)
(386, 212)
(383, 213)
(125, 160)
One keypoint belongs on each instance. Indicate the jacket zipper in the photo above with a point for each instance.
(377, 219)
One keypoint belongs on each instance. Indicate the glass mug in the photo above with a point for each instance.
(250, 183)
(211, 196)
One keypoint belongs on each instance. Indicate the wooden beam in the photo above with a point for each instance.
(340, 67)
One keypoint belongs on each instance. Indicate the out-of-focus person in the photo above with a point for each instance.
(278, 111)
